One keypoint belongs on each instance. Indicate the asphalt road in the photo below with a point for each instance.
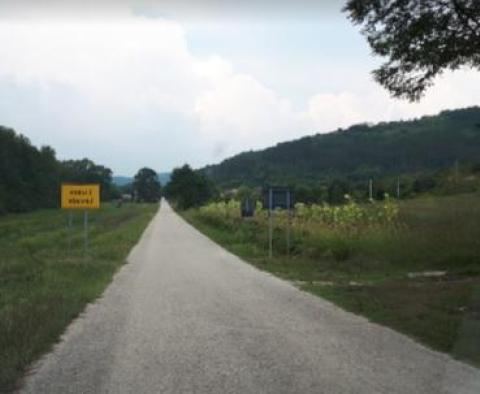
(185, 316)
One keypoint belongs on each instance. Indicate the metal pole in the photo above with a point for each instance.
(288, 223)
(398, 188)
(270, 223)
(85, 228)
(70, 220)
(370, 189)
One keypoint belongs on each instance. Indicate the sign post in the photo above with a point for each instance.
(247, 208)
(277, 198)
(85, 230)
(80, 196)
(288, 222)
(270, 223)
(70, 222)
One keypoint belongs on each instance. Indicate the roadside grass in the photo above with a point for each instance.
(367, 271)
(47, 280)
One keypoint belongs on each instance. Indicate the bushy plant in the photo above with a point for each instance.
(319, 229)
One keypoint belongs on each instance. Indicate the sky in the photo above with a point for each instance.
(161, 83)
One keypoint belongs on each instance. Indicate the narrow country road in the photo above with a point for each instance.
(186, 316)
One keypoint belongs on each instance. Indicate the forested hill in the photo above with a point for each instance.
(30, 178)
(361, 151)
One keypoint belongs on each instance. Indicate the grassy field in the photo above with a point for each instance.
(46, 279)
(370, 268)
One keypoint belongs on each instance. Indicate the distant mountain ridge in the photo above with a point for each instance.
(359, 152)
(164, 177)
(119, 180)
(122, 180)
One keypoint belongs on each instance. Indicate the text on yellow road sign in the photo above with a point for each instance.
(80, 196)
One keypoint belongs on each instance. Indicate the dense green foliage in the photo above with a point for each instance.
(30, 178)
(188, 188)
(374, 259)
(146, 186)
(46, 280)
(85, 171)
(163, 178)
(419, 38)
(327, 166)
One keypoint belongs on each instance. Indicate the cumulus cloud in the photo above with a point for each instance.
(370, 103)
(115, 90)
(125, 62)
(122, 69)
(237, 110)
(128, 91)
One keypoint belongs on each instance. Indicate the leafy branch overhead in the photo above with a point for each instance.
(420, 39)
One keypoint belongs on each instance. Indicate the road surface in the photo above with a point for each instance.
(186, 316)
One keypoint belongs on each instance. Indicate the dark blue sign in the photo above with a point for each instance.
(278, 198)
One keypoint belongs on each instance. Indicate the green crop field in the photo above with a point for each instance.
(375, 260)
(46, 280)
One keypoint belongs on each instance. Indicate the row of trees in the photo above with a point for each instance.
(443, 182)
(455, 180)
(187, 188)
(30, 178)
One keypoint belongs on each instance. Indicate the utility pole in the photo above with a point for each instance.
(70, 221)
(85, 230)
(289, 218)
(270, 223)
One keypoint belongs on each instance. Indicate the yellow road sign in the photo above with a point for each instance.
(80, 196)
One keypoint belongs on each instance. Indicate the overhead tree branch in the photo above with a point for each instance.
(420, 39)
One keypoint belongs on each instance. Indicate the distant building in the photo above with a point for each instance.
(127, 197)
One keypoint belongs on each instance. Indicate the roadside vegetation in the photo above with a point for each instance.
(46, 280)
(413, 265)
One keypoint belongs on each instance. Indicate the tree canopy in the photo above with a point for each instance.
(85, 171)
(30, 178)
(188, 188)
(420, 39)
(146, 185)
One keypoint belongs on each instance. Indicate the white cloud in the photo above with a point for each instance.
(371, 103)
(128, 91)
(238, 111)
(329, 111)
(131, 61)
(124, 68)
